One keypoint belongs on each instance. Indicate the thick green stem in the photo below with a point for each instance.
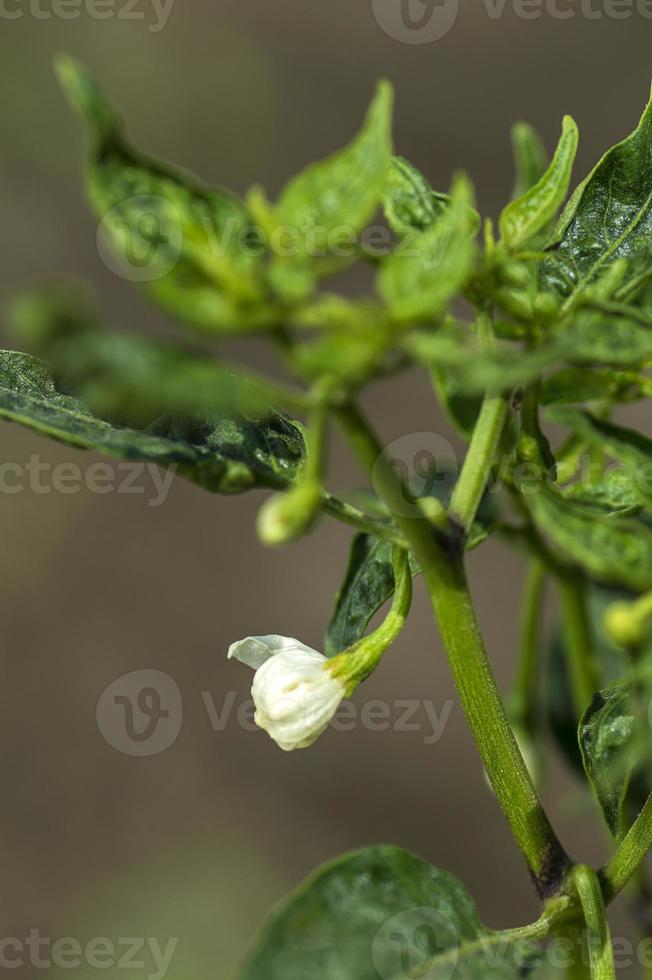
(600, 950)
(579, 639)
(629, 856)
(441, 558)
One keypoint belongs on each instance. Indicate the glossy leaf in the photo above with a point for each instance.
(409, 202)
(607, 733)
(608, 217)
(367, 585)
(382, 912)
(421, 277)
(346, 188)
(188, 245)
(523, 218)
(225, 455)
(530, 157)
(612, 551)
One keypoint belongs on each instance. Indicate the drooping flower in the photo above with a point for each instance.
(294, 690)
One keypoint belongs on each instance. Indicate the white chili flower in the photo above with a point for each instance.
(295, 694)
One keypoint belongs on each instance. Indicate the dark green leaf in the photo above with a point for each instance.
(409, 201)
(523, 218)
(611, 550)
(367, 585)
(608, 217)
(427, 269)
(530, 157)
(607, 735)
(189, 245)
(369, 579)
(626, 446)
(384, 913)
(226, 455)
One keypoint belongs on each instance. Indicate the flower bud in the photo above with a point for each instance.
(286, 517)
(294, 691)
(622, 624)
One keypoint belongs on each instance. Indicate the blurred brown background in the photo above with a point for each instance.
(198, 841)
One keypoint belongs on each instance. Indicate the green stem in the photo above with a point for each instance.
(480, 457)
(601, 957)
(356, 518)
(481, 453)
(629, 856)
(441, 558)
(360, 660)
(579, 639)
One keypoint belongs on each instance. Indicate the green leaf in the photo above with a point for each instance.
(608, 217)
(384, 913)
(427, 270)
(461, 406)
(369, 579)
(606, 340)
(607, 735)
(224, 455)
(367, 585)
(611, 550)
(188, 245)
(523, 218)
(530, 157)
(52, 310)
(612, 664)
(581, 384)
(626, 446)
(346, 188)
(409, 202)
(614, 496)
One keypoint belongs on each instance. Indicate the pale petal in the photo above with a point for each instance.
(254, 651)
